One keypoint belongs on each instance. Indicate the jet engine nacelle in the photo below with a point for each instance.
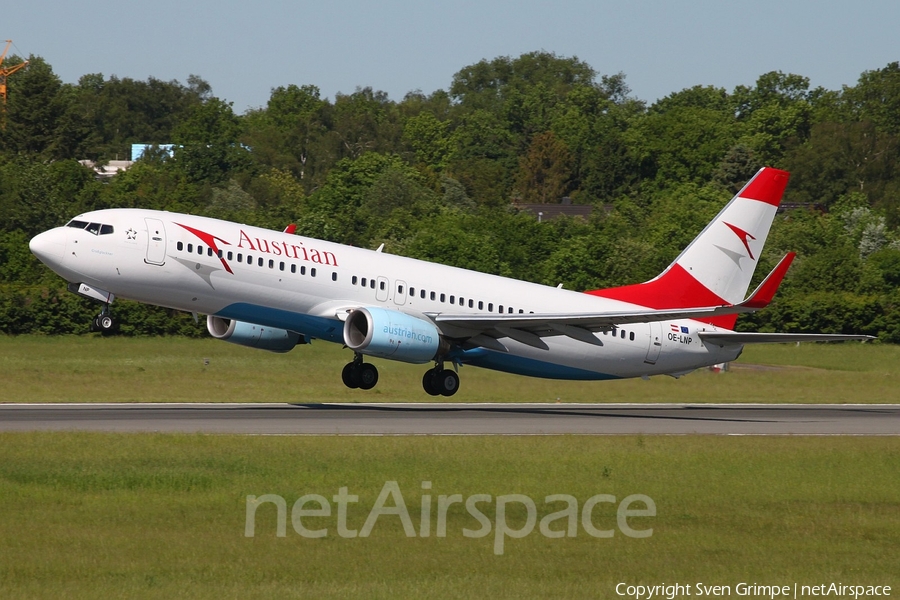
(391, 334)
(254, 336)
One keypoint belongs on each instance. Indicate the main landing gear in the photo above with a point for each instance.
(358, 374)
(104, 322)
(440, 381)
(436, 382)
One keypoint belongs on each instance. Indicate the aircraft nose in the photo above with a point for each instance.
(49, 246)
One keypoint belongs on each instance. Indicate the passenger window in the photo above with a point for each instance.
(303, 270)
(452, 299)
(312, 272)
(471, 303)
(521, 311)
(190, 247)
(281, 266)
(260, 261)
(209, 252)
(200, 250)
(106, 229)
(490, 307)
(354, 280)
(480, 305)
(623, 334)
(249, 259)
(372, 283)
(631, 336)
(180, 246)
(364, 282)
(381, 285)
(271, 264)
(240, 257)
(443, 298)
(422, 294)
(293, 268)
(412, 291)
(221, 253)
(399, 289)
(432, 296)
(510, 310)
(334, 276)
(500, 308)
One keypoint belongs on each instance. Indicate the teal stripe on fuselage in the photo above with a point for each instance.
(332, 330)
(519, 365)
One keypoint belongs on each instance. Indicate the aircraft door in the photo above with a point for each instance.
(156, 242)
(400, 293)
(655, 343)
(381, 289)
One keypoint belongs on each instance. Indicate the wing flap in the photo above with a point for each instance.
(737, 337)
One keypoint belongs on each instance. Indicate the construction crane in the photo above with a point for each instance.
(4, 73)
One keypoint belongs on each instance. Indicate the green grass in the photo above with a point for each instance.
(95, 369)
(163, 516)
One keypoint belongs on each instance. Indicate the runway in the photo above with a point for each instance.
(458, 419)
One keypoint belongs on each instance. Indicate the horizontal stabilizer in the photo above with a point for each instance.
(737, 337)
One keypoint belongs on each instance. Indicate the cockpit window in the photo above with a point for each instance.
(95, 228)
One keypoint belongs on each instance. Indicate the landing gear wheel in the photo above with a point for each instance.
(106, 323)
(350, 376)
(367, 376)
(428, 383)
(446, 382)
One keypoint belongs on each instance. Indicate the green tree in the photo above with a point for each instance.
(207, 143)
(545, 170)
(35, 107)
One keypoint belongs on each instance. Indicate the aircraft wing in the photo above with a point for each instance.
(485, 329)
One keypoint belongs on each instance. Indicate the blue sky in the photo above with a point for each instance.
(244, 49)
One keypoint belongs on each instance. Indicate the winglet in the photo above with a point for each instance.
(762, 295)
(292, 228)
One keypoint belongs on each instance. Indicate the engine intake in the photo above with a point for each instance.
(253, 336)
(391, 334)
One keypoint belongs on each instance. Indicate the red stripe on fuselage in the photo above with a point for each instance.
(676, 288)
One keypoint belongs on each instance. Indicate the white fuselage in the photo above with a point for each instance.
(300, 284)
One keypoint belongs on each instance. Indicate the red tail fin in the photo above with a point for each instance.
(716, 267)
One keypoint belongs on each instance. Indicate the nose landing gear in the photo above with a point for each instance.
(104, 322)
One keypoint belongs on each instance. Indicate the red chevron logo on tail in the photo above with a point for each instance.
(744, 237)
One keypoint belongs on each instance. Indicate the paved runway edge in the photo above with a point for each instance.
(458, 418)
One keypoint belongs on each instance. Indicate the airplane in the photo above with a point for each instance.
(274, 290)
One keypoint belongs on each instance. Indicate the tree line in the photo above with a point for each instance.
(436, 176)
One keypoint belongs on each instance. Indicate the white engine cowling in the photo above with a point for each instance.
(391, 334)
(253, 336)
